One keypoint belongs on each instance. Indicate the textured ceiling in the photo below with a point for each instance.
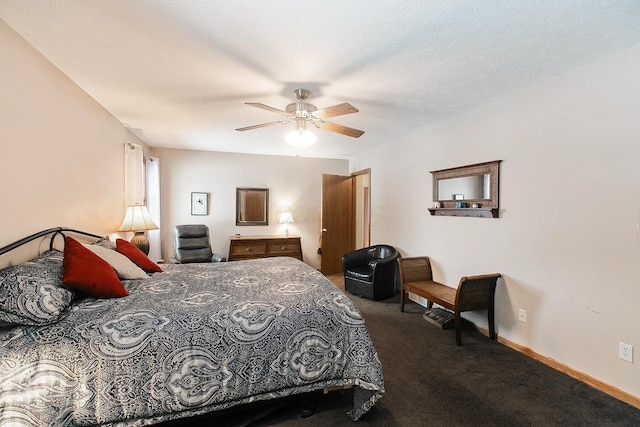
(178, 72)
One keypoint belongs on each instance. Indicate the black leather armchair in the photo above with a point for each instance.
(192, 244)
(371, 272)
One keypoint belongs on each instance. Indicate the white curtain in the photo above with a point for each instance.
(133, 174)
(152, 168)
(142, 187)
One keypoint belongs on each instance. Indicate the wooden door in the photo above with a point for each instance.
(337, 222)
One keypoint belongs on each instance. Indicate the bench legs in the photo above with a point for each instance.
(458, 324)
(458, 319)
(402, 296)
(490, 321)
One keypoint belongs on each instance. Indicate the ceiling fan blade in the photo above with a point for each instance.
(335, 110)
(334, 127)
(268, 108)
(263, 125)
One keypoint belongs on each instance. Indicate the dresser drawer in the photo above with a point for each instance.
(283, 249)
(253, 249)
(249, 247)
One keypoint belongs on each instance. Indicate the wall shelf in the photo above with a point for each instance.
(466, 212)
(472, 185)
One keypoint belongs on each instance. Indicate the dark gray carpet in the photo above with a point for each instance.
(430, 381)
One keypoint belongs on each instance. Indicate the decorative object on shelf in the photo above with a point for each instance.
(138, 220)
(199, 203)
(286, 218)
(477, 185)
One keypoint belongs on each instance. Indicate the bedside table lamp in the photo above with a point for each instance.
(138, 220)
(286, 218)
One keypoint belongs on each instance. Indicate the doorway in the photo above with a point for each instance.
(345, 218)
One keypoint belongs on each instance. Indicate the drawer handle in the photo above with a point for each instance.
(284, 248)
(247, 249)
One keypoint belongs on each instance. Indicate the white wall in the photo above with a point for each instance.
(61, 153)
(293, 182)
(567, 239)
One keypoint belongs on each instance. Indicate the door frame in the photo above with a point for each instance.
(359, 212)
(362, 214)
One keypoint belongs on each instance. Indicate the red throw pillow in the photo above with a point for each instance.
(137, 256)
(84, 271)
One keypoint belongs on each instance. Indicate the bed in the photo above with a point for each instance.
(190, 340)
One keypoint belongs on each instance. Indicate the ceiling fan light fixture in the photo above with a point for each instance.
(301, 138)
(302, 113)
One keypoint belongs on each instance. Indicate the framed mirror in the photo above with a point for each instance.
(252, 206)
(472, 187)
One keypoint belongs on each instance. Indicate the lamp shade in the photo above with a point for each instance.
(137, 218)
(286, 217)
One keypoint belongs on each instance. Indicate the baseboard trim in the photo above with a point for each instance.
(580, 376)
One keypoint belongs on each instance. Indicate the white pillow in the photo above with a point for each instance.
(125, 269)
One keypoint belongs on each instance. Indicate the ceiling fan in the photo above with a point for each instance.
(302, 113)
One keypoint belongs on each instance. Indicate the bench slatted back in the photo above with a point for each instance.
(415, 269)
(476, 292)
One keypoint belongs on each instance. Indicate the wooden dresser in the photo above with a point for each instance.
(250, 247)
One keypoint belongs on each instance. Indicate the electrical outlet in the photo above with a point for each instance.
(522, 315)
(625, 352)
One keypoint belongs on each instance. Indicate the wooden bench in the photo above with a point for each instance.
(473, 292)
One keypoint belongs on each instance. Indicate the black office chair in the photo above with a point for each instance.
(192, 244)
(371, 272)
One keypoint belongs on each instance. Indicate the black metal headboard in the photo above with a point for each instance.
(54, 231)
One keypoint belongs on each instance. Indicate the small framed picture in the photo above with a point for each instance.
(199, 203)
(458, 197)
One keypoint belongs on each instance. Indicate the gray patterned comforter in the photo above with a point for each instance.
(194, 339)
